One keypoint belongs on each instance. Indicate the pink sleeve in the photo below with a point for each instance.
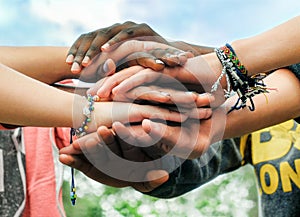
(7, 127)
(62, 137)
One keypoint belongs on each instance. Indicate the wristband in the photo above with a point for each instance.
(236, 74)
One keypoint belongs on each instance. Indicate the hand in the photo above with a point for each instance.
(105, 113)
(188, 140)
(170, 94)
(147, 54)
(87, 46)
(97, 156)
(195, 72)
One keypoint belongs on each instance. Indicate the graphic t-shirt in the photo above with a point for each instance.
(274, 153)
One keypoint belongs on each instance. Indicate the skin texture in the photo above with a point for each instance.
(89, 45)
(278, 105)
(38, 71)
(288, 96)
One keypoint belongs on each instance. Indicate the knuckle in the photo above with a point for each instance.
(145, 26)
(128, 31)
(94, 48)
(80, 54)
(129, 23)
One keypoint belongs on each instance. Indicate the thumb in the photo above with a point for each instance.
(156, 177)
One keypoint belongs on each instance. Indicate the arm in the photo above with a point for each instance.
(45, 64)
(273, 108)
(28, 102)
(276, 48)
(100, 164)
(272, 49)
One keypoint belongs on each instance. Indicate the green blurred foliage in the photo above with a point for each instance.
(233, 194)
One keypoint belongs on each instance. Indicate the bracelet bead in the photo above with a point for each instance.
(87, 111)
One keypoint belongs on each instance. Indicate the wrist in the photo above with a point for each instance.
(254, 61)
(84, 118)
(195, 49)
(215, 66)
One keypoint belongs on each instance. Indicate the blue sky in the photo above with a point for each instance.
(207, 22)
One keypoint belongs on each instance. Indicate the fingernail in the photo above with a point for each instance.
(182, 54)
(173, 56)
(75, 67)
(157, 178)
(158, 61)
(86, 60)
(208, 95)
(154, 126)
(70, 58)
(106, 67)
(105, 47)
(209, 113)
(189, 92)
(164, 93)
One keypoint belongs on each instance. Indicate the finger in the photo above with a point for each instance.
(72, 51)
(184, 141)
(89, 170)
(153, 93)
(76, 148)
(109, 67)
(197, 113)
(138, 113)
(169, 56)
(133, 30)
(114, 80)
(131, 150)
(84, 46)
(204, 99)
(85, 43)
(169, 136)
(113, 31)
(180, 98)
(67, 159)
(108, 138)
(128, 135)
(95, 48)
(133, 46)
(143, 59)
(136, 79)
(148, 93)
(125, 135)
(94, 89)
(157, 177)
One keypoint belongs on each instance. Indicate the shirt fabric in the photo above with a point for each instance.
(274, 154)
(38, 193)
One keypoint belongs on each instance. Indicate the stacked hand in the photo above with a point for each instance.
(163, 109)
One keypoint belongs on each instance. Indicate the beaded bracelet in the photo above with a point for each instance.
(87, 111)
(81, 131)
(236, 74)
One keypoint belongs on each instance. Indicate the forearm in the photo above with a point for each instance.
(46, 64)
(195, 49)
(276, 48)
(270, 109)
(28, 102)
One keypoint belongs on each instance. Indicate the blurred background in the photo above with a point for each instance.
(206, 22)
